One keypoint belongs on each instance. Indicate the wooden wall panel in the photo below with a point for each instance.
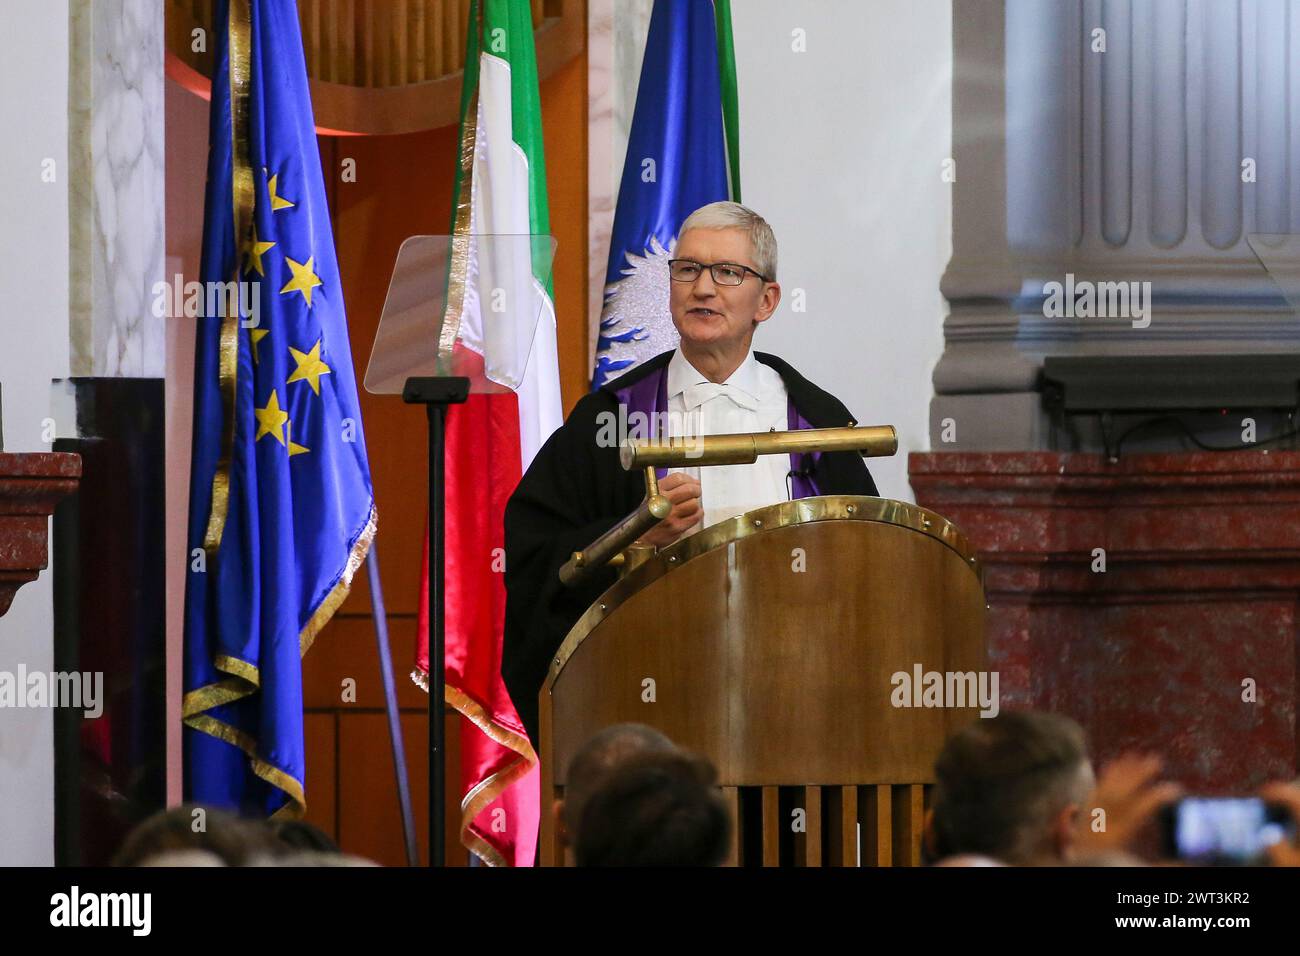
(351, 788)
(322, 771)
(399, 46)
(347, 649)
(369, 823)
(564, 117)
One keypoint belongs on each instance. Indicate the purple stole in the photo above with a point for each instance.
(649, 396)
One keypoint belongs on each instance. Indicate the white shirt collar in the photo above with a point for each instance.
(682, 374)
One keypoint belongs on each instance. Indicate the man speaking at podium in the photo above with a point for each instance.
(722, 285)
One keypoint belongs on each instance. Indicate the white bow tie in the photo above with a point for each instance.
(696, 395)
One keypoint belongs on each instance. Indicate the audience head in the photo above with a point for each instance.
(967, 860)
(232, 840)
(299, 835)
(593, 762)
(1011, 787)
(1108, 858)
(176, 859)
(655, 809)
(313, 858)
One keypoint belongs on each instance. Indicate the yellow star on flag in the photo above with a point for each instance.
(253, 253)
(310, 367)
(277, 202)
(256, 335)
(304, 279)
(271, 420)
(295, 449)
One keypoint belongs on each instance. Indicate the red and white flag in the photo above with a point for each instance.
(500, 191)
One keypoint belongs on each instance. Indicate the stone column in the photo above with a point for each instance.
(1114, 141)
(115, 157)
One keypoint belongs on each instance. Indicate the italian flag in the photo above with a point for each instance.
(500, 191)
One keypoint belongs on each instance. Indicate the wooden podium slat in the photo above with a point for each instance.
(810, 843)
(732, 797)
(842, 825)
(877, 826)
(551, 847)
(771, 827)
(909, 817)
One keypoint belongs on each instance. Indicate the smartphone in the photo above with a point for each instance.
(1223, 831)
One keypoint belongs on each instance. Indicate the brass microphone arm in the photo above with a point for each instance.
(611, 545)
(873, 441)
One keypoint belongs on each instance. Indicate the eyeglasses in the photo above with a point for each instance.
(724, 273)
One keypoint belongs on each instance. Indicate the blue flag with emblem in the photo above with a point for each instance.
(682, 153)
(281, 505)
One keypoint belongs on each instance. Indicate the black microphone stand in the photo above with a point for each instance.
(437, 393)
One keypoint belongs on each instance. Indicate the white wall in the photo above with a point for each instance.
(842, 149)
(33, 351)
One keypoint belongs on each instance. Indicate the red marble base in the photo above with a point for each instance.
(1199, 594)
(30, 486)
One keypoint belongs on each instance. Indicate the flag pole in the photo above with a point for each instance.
(390, 705)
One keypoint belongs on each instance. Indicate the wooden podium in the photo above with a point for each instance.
(767, 643)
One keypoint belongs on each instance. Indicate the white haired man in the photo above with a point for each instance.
(722, 287)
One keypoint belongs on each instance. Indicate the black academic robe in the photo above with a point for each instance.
(575, 491)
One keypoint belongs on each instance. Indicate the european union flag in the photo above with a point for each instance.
(681, 155)
(281, 505)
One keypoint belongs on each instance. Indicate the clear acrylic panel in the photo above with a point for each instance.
(462, 305)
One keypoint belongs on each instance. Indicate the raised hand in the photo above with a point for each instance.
(684, 493)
